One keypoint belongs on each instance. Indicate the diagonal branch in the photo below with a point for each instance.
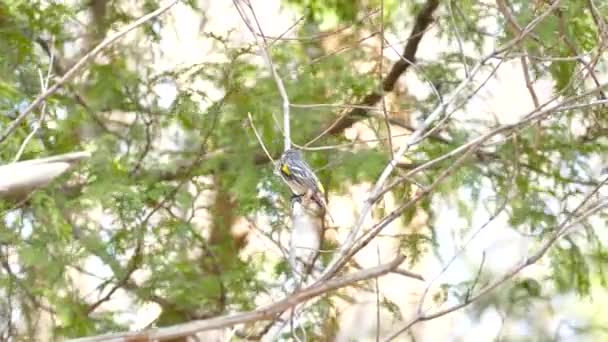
(261, 313)
(343, 253)
(421, 24)
(564, 228)
(80, 64)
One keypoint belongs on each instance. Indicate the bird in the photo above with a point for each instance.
(300, 178)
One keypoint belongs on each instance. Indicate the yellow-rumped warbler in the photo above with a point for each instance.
(300, 178)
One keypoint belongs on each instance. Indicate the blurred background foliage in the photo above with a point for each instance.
(123, 104)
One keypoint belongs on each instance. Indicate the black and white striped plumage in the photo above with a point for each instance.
(300, 178)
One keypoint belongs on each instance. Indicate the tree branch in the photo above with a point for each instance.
(343, 253)
(422, 22)
(262, 313)
(560, 231)
(266, 54)
(17, 180)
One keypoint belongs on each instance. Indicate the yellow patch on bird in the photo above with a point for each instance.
(285, 169)
(320, 186)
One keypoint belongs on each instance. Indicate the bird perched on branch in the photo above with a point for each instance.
(300, 178)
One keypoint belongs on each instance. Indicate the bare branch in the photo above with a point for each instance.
(265, 53)
(262, 313)
(516, 29)
(533, 116)
(560, 231)
(320, 35)
(19, 179)
(383, 100)
(408, 274)
(348, 249)
(422, 22)
(377, 290)
(588, 66)
(339, 259)
(349, 241)
(599, 21)
(260, 141)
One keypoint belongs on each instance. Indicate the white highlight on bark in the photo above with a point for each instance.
(19, 179)
(306, 237)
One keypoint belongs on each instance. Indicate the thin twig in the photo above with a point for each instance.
(257, 135)
(380, 77)
(422, 22)
(266, 54)
(458, 39)
(528, 80)
(562, 26)
(408, 274)
(600, 22)
(559, 232)
(377, 290)
(44, 85)
(338, 260)
(477, 277)
(320, 35)
(418, 70)
(280, 37)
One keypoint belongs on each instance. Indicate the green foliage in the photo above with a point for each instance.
(530, 287)
(176, 167)
(358, 167)
(570, 269)
(413, 246)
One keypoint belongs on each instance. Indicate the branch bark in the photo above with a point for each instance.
(261, 313)
(17, 180)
